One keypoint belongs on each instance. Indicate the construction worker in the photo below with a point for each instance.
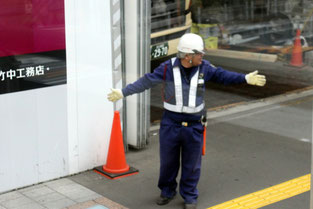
(181, 128)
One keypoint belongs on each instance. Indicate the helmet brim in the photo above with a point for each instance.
(198, 51)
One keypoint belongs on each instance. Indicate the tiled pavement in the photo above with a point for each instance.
(57, 194)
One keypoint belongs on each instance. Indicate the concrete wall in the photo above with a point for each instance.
(33, 137)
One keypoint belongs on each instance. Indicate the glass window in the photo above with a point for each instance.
(241, 36)
(167, 14)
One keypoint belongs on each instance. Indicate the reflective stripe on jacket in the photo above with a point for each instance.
(179, 106)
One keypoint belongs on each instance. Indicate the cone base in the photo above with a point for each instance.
(121, 170)
(131, 171)
(295, 65)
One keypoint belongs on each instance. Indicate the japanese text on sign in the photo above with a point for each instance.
(23, 72)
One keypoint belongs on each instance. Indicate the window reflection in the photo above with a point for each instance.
(262, 27)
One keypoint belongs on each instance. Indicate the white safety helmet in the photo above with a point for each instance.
(190, 43)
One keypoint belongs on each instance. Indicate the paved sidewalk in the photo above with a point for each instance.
(61, 193)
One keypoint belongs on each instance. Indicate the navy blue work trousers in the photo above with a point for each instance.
(180, 145)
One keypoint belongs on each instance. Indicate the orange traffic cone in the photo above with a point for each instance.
(116, 166)
(296, 59)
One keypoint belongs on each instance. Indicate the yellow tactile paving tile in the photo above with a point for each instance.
(269, 195)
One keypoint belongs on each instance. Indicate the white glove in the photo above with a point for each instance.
(115, 95)
(255, 79)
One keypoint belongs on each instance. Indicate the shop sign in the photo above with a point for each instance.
(26, 72)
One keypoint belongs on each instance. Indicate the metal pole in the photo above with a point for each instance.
(143, 118)
(146, 67)
(124, 115)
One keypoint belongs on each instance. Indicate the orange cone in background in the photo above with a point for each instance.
(296, 59)
(116, 166)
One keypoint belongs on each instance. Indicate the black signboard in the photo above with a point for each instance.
(31, 71)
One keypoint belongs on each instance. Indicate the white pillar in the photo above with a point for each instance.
(137, 55)
(89, 76)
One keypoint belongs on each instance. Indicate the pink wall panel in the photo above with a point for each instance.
(30, 26)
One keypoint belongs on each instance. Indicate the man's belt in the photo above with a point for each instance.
(203, 121)
(189, 123)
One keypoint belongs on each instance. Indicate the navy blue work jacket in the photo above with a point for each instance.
(164, 72)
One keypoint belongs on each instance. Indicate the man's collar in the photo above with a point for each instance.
(177, 62)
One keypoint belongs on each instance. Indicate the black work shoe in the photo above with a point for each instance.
(164, 200)
(190, 206)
